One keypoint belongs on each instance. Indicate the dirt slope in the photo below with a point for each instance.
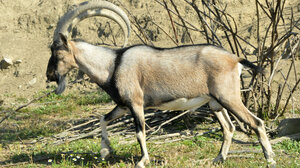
(26, 30)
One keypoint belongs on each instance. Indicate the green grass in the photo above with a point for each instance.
(67, 104)
(93, 98)
(51, 114)
(290, 146)
(27, 133)
(197, 152)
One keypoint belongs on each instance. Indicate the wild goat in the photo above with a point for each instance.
(141, 77)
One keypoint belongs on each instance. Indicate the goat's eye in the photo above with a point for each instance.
(59, 56)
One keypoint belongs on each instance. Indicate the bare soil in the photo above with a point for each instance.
(26, 30)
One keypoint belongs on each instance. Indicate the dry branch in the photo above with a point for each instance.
(168, 121)
(244, 151)
(24, 105)
(182, 21)
(287, 137)
(172, 23)
(124, 126)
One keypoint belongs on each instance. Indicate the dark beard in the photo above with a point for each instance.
(61, 84)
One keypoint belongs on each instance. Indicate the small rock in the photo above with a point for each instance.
(18, 61)
(289, 126)
(32, 82)
(3, 27)
(5, 63)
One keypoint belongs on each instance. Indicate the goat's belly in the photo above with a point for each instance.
(183, 104)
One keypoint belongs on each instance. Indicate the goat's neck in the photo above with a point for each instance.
(97, 62)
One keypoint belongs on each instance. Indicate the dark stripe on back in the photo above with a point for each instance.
(170, 48)
(182, 46)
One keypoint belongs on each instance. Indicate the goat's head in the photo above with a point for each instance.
(62, 58)
(61, 62)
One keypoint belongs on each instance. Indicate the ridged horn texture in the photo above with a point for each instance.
(90, 9)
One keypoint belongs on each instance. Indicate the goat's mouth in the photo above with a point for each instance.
(61, 84)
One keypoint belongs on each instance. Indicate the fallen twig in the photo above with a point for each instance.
(240, 156)
(25, 105)
(123, 126)
(168, 121)
(287, 137)
(244, 151)
(185, 137)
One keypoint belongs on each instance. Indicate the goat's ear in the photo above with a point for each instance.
(64, 39)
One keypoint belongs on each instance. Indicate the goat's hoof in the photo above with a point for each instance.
(147, 161)
(219, 159)
(140, 165)
(271, 164)
(105, 152)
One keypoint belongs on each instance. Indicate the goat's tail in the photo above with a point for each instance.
(246, 63)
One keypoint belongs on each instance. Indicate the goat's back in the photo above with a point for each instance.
(166, 74)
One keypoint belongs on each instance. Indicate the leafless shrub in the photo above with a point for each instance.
(276, 40)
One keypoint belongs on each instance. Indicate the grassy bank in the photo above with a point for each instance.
(20, 145)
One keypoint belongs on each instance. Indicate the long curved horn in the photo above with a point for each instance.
(90, 9)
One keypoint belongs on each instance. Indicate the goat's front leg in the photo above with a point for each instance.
(117, 112)
(138, 114)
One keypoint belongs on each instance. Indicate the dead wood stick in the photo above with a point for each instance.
(244, 151)
(165, 136)
(97, 124)
(172, 23)
(39, 159)
(182, 21)
(176, 43)
(79, 131)
(81, 125)
(287, 137)
(25, 105)
(137, 25)
(194, 27)
(77, 153)
(288, 99)
(241, 125)
(277, 63)
(240, 156)
(95, 132)
(213, 130)
(92, 133)
(187, 137)
(171, 141)
(170, 120)
(125, 120)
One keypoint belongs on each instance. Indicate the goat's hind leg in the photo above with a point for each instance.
(116, 113)
(228, 129)
(238, 109)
